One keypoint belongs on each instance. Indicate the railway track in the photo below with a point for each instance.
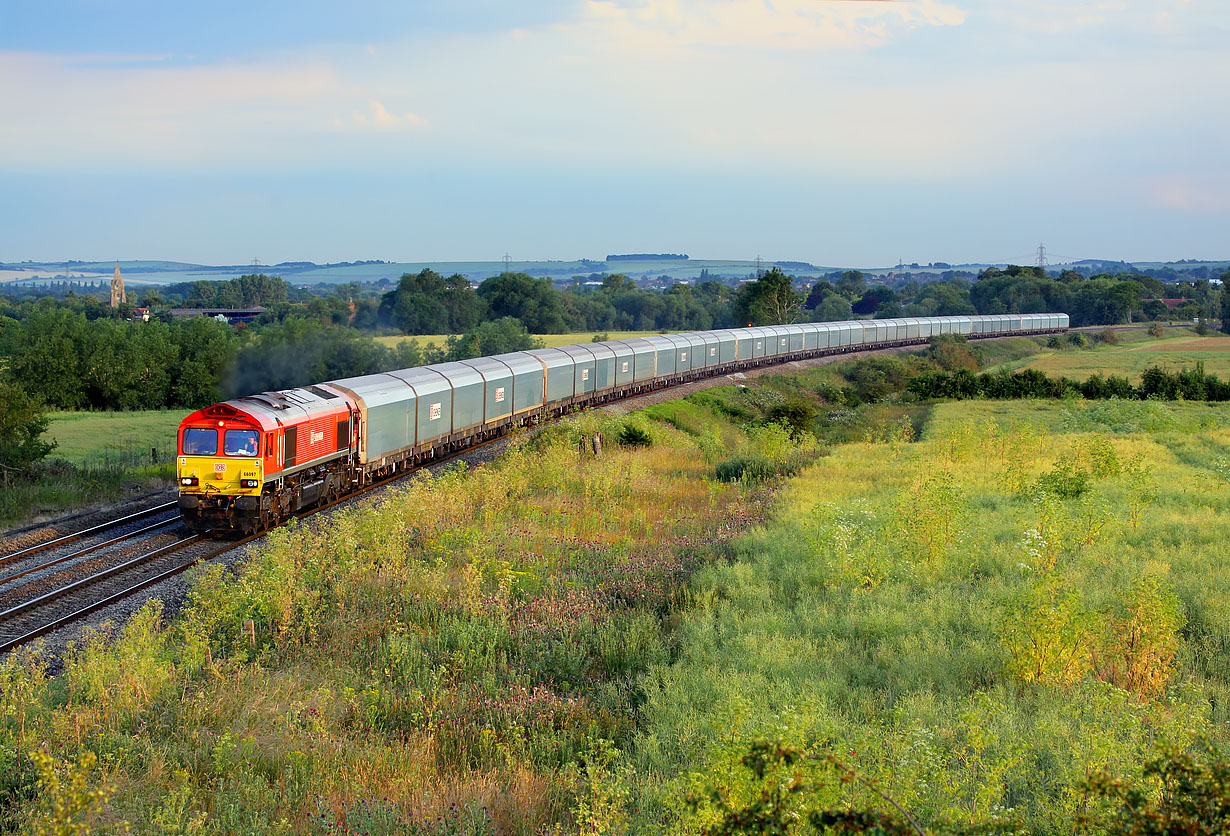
(65, 539)
(78, 597)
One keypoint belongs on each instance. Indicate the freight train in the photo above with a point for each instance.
(250, 463)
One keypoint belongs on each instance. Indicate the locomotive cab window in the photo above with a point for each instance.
(200, 442)
(241, 443)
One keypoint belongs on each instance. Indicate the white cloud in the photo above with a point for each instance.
(782, 24)
(379, 117)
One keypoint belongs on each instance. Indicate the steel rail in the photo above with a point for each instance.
(68, 538)
(116, 596)
(88, 550)
(90, 580)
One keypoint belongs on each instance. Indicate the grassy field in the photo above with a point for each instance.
(463, 659)
(1130, 358)
(80, 435)
(972, 607)
(975, 622)
(100, 457)
(549, 340)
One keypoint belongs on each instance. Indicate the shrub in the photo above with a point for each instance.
(796, 415)
(22, 423)
(630, 435)
(1077, 340)
(952, 352)
(1156, 329)
(751, 468)
(1194, 795)
(1067, 480)
(757, 468)
(1110, 336)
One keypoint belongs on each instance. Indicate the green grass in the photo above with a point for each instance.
(893, 612)
(563, 643)
(100, 457)
(463, 658)
(93, 434)
(1131, 357)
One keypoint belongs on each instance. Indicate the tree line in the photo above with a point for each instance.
(75, 352)
(1156, 383)
(427, 303)
(66, 361)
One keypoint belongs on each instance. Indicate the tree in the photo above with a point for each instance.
(852, 284)
(819, 290)
(417, 306)
(834, 308)
(22, 424)
(770, 300)
(875, 299)
(535, 302)
(1225, 302)
(495, 337)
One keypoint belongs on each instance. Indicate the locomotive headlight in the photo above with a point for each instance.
(247, 483)
(188, 480)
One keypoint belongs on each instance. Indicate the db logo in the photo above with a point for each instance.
(219, 467)
(320, 436)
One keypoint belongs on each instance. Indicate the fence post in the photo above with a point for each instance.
(249, 628)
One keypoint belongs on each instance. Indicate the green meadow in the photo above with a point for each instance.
(1135, 352)
(100, 457)
(974, 622)
(799, 598)
(82, 435)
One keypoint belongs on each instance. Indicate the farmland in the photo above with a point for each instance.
(100, 457)
(1133, 355)
(94, 435)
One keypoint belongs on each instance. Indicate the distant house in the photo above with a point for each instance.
(235, 316)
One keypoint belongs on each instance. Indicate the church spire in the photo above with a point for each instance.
(117, 288)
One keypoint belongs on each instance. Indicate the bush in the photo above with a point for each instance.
(1067, 480)
(1156, 329)
(1077, 340)
(22, 424)
(952, 352)
(798, 416)
(630, 435)
(757, 468)
(1110, 336)
(750, 468)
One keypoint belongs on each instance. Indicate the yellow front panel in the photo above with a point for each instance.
(219, 475)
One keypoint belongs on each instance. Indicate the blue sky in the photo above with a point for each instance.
(841, 132)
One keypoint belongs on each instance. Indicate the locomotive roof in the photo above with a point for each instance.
(269, 410)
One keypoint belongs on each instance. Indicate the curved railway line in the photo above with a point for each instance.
(67, 587)
(75, 597)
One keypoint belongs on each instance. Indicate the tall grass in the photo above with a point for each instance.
(965, 636)
(466, 657)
